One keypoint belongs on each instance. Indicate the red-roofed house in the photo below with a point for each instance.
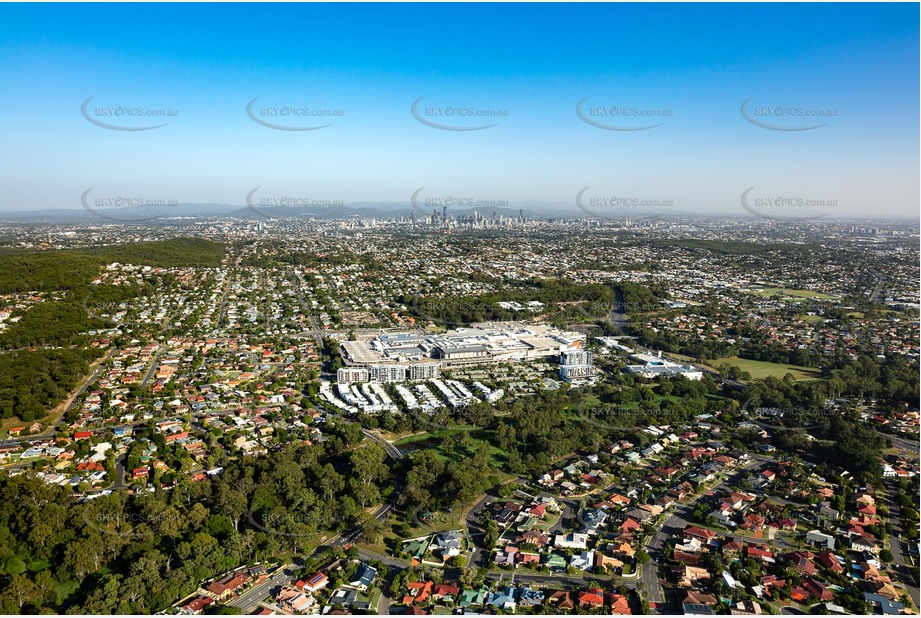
(620, 606)
(225, 587)
(445, 590)
(701, 534)
(315, 582)
(810, 589)
(196, 605)
(593, 597)
(801, 562)
(758, 553)
(769, 582)
(630, 525)
(419, 592)
(830, 562)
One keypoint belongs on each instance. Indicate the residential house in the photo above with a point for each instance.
(293, 600)
(472, 598)
(697, 603)
(573, 540)
(762, 553)
(630, 525)
(604, 561)
(831, 562)
(702, 534)
(503, 599)
(746, 608)
(584, 560)
(864, 543)
(447, 544)
(363, 577)
(801, 562)
(883, 605)
(196, 605)
(533, 537)
(315, 582)
(225, 587)
(620, 605)
(810, 589)
(593, 597)
(689, 576)
(561, 600)
(816, 537)
(445, 592)
(419, 592)
(528, 597)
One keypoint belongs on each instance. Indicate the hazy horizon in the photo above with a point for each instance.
(700, 107)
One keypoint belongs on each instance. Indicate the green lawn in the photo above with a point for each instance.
(440, 434)
(759, 370)
(434, 442)
(550, 520)
(768, 292)
(811, 319)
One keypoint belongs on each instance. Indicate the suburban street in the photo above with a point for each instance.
(907, 574)
(671, 528)
(250, 599)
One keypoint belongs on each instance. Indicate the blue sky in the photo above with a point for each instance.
(856, 63)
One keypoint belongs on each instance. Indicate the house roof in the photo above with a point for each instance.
(592, 596)
(696, 597)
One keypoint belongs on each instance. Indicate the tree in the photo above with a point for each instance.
(422, 479)
(15, 566)
(18, 592)
(84, 556)
(368, 467)
(472, 577)
(330, 482)
(491, 535)
(232, 503)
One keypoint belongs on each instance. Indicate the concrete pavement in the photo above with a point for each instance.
(390, 449)
(907, 573)
(250, 599)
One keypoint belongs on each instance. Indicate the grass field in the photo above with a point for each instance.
(434, 442)
(768, 292)
(811, 319)
(760, 370)
(424, 436)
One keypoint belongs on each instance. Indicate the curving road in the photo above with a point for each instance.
(389, 448)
